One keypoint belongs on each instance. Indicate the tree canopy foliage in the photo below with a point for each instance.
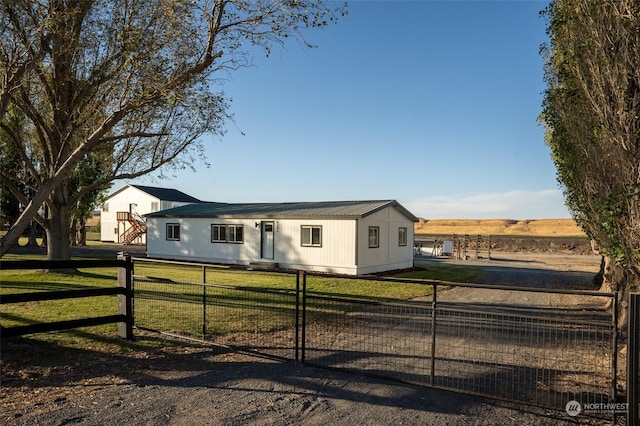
(591, 112)
(131, 84)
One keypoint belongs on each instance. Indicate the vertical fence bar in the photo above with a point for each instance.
(297, 319)
(633, 360)
(204, 302)
(304, 315)
(466, 247)
(433, 335)
(489, 248)
(125, 301)
(614, 354)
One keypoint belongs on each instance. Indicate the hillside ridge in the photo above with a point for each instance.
(533, 227)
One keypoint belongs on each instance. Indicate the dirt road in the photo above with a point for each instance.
(189, 384)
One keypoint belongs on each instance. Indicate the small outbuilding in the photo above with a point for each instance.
(346, 237)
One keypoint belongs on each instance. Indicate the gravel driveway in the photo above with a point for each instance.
(190, 384)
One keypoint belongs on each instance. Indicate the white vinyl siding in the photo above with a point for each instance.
(120, 201)
(343, 242)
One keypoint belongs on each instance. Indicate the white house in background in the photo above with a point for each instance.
(121, 218)
(347, 237)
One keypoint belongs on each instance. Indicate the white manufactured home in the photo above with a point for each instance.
(121, 218)
(345, 237)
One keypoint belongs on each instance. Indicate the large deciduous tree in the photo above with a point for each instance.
(10, 159)
(591, 112)
(139, 79)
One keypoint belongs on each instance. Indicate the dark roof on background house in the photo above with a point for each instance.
(325, 209)
(165, 194)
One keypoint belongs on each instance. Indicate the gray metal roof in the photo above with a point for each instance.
(319, 209)
(163, 194)
(167, 194)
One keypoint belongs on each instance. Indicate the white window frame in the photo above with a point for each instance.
(227, 233)
(374, 236)
(306, 235)
(171, 231)
(221, 233)
(232, 234)
(402, 236)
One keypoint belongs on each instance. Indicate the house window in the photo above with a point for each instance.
(374, 236)
(105, 208)
(234, 233)
(173, 232)
(227, 233)
(218, 234)
(402, 236)
(311, 236)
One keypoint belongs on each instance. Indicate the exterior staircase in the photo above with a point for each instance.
(137, 227)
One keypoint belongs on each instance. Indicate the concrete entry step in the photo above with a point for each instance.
(263, 265)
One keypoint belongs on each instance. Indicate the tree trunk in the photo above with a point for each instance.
(82, 233)
(10, 239)
(57, 225)
(44, 239)
(623, 281)
(33, 234)
(73, 233)
(58, 237)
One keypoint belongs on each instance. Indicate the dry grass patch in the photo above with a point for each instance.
(538, 227)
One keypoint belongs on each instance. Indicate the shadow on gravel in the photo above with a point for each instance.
(55, 378)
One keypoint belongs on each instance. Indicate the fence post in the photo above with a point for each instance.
(204, 302)
(433, 333)
(466, 247)
(304, 317)
(297, 320)
(633, 360)
(489, 248)
(125, 301)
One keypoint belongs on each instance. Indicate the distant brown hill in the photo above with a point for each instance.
(538, 227)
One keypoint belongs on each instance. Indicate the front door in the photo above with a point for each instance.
(267, 240)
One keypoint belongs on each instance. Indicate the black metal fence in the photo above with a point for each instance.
(241, 316)
(545, 353)
(557, 349)
(633, 361)
(498, 342)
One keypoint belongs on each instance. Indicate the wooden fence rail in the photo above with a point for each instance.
(124, 292)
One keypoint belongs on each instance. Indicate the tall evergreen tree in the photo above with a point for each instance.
(591, 112)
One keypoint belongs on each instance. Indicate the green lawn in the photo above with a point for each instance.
(228, 309)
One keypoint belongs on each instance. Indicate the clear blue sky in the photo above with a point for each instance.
(431, 103)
